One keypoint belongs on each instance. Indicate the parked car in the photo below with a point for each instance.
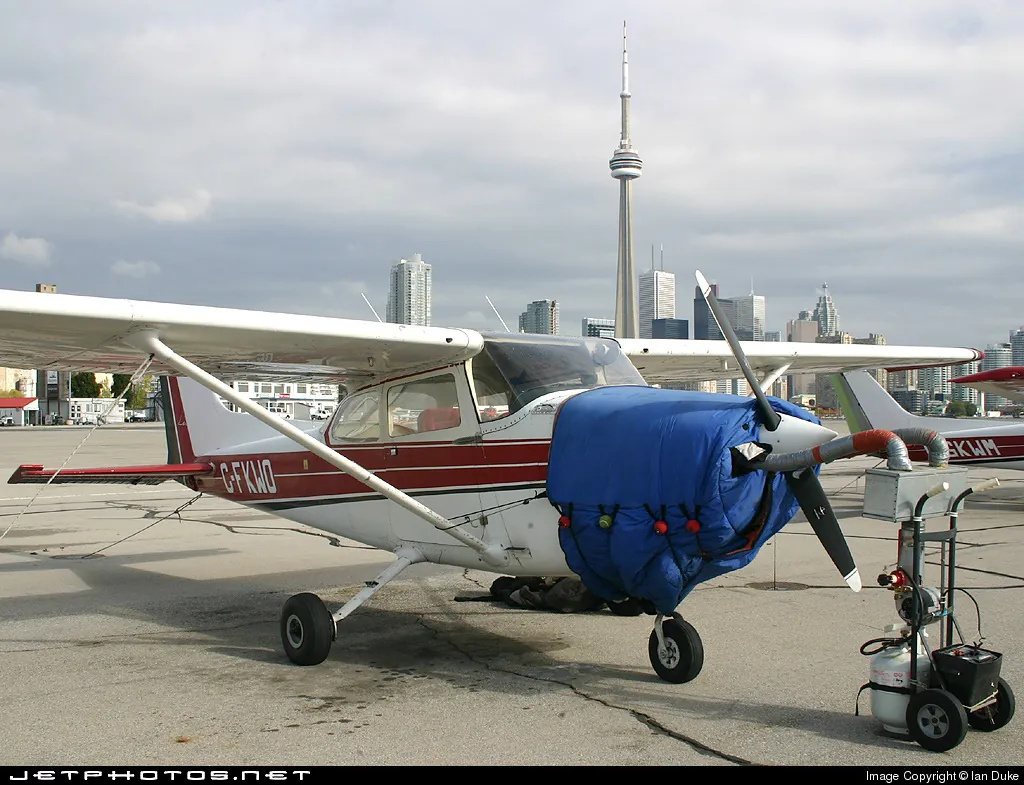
(6, 420)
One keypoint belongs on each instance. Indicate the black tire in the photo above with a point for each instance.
(684, 657)
(936, 720)
(627, 607)
(996, 715)
(307, 629)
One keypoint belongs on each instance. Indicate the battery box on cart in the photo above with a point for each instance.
(891, 495)
(969, 672)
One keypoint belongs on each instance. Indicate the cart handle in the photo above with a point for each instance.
(984, 485)
(940, 488)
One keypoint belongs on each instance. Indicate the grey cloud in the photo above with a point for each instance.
(172, 209)
(33, 251)
(138, 269)
(875, 146)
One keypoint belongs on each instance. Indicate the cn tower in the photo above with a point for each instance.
(625, 165)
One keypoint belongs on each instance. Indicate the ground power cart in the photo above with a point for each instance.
(933, 695)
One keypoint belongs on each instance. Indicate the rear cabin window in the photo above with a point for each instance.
(358, 418)
(423, 406)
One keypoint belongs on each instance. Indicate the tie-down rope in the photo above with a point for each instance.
(140, 371)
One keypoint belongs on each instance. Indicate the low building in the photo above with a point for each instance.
(17, 411)
(291, 400)
(89, 411)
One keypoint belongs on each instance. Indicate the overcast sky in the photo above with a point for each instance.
(282, 155)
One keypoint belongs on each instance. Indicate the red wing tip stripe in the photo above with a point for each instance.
(29, 473)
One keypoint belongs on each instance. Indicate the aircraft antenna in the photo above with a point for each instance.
(371, 308)
(497, 314)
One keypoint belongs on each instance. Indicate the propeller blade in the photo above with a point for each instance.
(811, 497)
(770, 417)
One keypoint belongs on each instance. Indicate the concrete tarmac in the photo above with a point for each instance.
(163, 648)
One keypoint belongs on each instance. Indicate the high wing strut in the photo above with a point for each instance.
(773, 377)
(150, 342)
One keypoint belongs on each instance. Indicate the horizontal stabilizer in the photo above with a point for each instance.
(117, 475)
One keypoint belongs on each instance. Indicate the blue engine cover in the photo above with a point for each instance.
(643, 455)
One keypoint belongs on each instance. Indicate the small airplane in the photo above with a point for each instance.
(520, 454)
(972, 441)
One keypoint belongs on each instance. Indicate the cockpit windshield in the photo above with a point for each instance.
(514, 369)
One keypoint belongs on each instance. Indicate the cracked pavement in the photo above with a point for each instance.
(165, 649)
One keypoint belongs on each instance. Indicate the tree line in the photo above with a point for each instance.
(84, 385)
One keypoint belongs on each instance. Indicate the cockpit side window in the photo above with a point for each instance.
(358, 418)
(492, 392)
(532, 367)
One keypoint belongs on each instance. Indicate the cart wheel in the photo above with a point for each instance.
(995, 715)
(936, 720)
(683, 655)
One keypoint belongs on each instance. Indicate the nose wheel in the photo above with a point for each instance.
(675, 649)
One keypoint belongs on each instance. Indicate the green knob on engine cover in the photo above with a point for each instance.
(605, 521)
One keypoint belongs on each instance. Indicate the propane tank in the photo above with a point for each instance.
(890, 667)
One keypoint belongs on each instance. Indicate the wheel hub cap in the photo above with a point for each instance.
(294, 631)
(669, 653)
(933, 721)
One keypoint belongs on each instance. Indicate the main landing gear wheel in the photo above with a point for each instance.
(307, 629)
(995, 715)
(682, 657)
(936, 720)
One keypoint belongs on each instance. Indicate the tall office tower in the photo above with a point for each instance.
(874, 339)
(670, 328)
(626, 165)
(935, 384)
(997, 355)
(705, 324)
(657, 299)
(598, 328)
(825, 313)
(409, 295)
(961, 392)
(902, 380)
(749, 317)
(1017, 345)
(705, 328)
(803, 329)
(541, 317)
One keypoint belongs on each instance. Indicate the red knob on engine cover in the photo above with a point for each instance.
(660, 527)
(563, 522)
(693, 526)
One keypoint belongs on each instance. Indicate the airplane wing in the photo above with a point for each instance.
(73, 332)
(76, 333)
(667, 360)
(1006, 382)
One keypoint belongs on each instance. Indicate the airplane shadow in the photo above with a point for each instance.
(381, 652)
